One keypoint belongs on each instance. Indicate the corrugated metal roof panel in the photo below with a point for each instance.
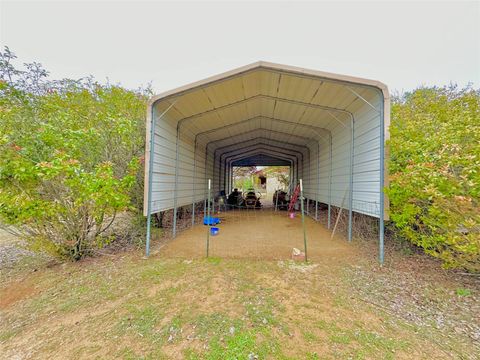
(279, 106)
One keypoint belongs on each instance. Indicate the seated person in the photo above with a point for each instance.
(233, 197)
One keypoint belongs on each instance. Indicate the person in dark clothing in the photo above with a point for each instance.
(233, 197)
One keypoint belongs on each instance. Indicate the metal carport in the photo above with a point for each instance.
(331, 128)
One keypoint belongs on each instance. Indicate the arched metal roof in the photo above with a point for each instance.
(339, 122)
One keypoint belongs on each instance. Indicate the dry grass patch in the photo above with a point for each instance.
(125, 307)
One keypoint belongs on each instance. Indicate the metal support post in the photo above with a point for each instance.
(303, 220)
(209, 221)
(330, 185)
(350, 197)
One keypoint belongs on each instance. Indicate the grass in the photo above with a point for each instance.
(130, 308)
(368, 343)
(463, 292)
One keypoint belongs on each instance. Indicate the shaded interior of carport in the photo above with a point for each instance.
(330, 129)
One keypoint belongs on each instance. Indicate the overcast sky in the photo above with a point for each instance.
(170, 44)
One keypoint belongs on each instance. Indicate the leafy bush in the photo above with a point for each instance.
(70, 155)
(435, 173)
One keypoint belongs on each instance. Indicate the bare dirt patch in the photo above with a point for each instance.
(16, 292)
(259, 234)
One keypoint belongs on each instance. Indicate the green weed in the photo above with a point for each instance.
(463, 292)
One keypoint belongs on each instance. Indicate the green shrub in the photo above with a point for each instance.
(70, 156)
(435, 173)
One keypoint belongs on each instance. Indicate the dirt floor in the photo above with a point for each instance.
(178, 305)
(259, 234)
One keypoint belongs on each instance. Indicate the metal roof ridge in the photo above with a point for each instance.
(272, 66)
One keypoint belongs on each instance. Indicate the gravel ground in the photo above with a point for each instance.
(416, 289)
(13, 250)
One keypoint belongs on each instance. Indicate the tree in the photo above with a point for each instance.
(242, 176)
(281, 173)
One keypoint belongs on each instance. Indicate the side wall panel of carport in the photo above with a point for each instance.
(346, 167)
(366, 169)
(316, 184)
(178, 167)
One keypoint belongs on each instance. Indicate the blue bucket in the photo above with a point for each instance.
(214, 231)
(210, 220)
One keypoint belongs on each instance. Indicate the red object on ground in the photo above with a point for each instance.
(293, 200)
